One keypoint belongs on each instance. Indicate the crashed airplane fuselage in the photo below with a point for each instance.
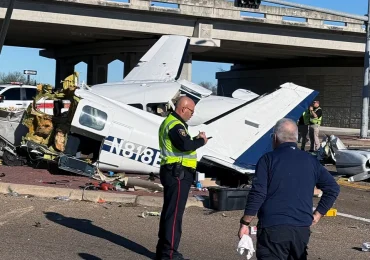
(349, 162)
(114, 126)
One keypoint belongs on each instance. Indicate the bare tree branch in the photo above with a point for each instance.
(14, 76)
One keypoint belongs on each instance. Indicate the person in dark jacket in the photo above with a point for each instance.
(281, 194)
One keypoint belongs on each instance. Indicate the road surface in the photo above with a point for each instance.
(36, 228)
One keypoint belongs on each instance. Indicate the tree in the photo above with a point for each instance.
(210, 86)
(14, 76)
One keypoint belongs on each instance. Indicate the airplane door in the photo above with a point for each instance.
(92, 120)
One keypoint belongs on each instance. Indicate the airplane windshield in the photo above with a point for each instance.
(337, 143)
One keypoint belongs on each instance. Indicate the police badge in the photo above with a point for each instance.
(182, 132)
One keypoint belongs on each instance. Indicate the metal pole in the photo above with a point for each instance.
(322, 10)
(365, 90)
(28, 79)
(4, 28)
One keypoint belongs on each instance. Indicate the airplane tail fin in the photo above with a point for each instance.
(243, 134)
(163, 61)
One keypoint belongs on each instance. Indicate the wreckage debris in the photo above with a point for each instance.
(120, 182)
(37, 224)
(366, 247)
(199, 198)
(145, 214)
(48, 129)
(14, 194)
(63, 198)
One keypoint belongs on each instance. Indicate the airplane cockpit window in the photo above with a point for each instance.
(139, 106)
(159, 109)
(93, 118)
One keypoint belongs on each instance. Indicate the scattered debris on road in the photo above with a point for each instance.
(145, 214)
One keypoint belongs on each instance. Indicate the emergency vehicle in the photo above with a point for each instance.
(16, 96)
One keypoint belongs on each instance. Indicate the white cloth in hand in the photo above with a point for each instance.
(246, 243)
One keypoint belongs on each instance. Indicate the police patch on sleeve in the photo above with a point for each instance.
(182, 132)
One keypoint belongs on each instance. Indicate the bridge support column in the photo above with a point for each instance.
(63, 69)
(187, 67)
(97, 70)
(130, 60)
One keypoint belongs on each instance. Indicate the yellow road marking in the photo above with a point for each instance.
(356, 185)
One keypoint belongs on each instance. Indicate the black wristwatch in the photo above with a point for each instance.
(242, 221)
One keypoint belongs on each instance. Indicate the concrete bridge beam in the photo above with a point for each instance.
(97, 68)
(130, 60)
(186, 71)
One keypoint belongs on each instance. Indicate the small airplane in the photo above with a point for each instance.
(115, 125)
(354, 163)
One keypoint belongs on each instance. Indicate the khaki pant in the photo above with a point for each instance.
(314, 137)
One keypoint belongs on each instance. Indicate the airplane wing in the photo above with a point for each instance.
(222, 163)
(163, 62)
(242, 135)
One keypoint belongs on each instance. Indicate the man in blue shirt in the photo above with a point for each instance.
(282, 194)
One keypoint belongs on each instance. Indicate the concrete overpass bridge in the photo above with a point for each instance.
(99, 31)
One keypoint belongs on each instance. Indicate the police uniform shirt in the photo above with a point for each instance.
(180, 139)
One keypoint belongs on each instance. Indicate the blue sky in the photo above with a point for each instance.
(18, 59)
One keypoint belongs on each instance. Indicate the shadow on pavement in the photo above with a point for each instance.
(86, 226)
(88, 256)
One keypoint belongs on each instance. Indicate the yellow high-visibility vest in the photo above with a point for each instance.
(169, 153)
(306, 117)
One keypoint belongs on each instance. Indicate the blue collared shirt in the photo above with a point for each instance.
(283, 186)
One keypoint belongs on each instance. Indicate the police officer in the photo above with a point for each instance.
(315, 122)
(178, 164)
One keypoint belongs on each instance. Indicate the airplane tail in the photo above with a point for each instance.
(242, 135)
(163, 61)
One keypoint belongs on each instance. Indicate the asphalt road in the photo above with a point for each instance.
(36, 228)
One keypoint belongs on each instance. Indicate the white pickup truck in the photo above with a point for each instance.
(16, 96)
